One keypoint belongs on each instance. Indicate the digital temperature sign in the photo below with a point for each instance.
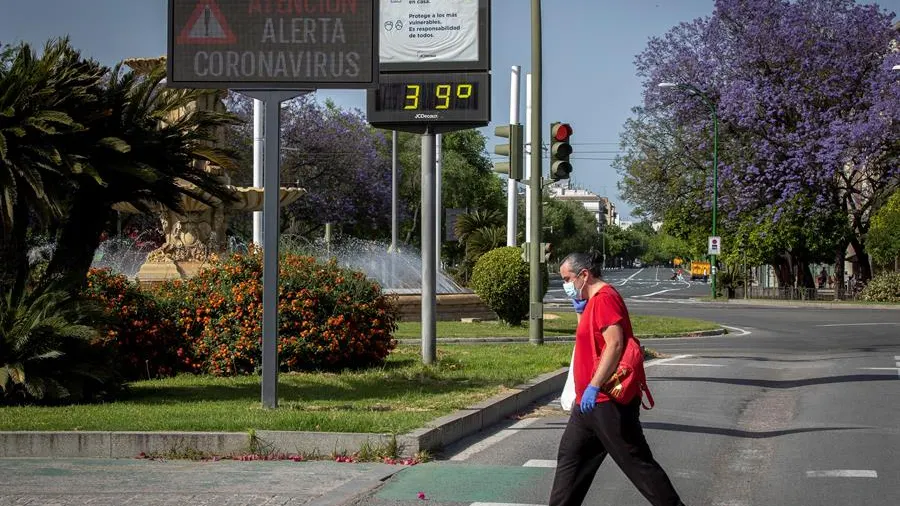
(435, 98)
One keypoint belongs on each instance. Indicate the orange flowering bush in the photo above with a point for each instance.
(329, 317)
(145, 340)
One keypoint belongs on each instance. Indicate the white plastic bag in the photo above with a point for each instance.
(567, 398)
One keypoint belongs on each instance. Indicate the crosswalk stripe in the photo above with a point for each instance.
(843, 473)
(540, 463)
(502, 504)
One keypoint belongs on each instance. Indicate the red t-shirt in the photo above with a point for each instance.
(604, 309)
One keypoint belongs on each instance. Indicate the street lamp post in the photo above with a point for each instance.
(715, 117)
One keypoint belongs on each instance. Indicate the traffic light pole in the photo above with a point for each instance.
(536, 308)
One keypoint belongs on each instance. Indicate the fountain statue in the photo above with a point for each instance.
(195, 235)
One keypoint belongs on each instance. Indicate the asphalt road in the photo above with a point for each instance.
(794, 407)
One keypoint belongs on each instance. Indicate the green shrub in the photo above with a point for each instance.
(49, 352)
(329, 317)
(883, 288)
(501, 280)
(145, 340)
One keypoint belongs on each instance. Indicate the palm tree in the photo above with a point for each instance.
(142, 150)
(36, 129)
(46, 351)
(468, 223)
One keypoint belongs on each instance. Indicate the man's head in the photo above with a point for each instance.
(579, 269)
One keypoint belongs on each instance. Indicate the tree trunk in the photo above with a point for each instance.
(783, 271)
(839, 271)
(865, 267)
(14, 253)
(78, 240)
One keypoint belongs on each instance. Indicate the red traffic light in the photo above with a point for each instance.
(562, 131)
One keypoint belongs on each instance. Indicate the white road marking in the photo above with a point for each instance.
(843, 473)
(501, 504)
(880, 368)
(665, 360)
(539, 463)
(496, 438)
(655, 293)
(694, 365)
(629, 278)
(743, 332)
(857, 324)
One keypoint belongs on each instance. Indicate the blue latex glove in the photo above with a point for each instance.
(579, 305)
(589, 399)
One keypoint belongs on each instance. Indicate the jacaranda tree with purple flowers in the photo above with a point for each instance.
(335, 156)
(809, 113)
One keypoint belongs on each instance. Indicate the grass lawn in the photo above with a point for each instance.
(556, 324)
(400, 396)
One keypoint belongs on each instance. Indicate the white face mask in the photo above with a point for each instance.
(571, 291)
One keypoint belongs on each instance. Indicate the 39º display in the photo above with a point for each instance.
(460, 98)
(429, 96)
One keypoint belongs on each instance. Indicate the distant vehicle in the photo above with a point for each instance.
(700, 270)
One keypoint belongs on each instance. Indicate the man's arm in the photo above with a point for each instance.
(614, 337)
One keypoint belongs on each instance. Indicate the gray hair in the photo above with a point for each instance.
(592, 262)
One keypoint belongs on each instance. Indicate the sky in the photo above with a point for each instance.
(589, 48)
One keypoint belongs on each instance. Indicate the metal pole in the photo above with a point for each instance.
(258, 113)
(536, 321)
(271, 231)
(395, 194)
(270, 254)
(712, 267)
(527, 171)
(429, 262)
(395, 206)
(512, 186)
(438, 169)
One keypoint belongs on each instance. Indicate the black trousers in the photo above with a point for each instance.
(614, 429)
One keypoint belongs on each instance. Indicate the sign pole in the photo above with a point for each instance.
(512, 184)
(438, 169)
(271, 101)
(258, 114)
(429, 260)
(395, 204)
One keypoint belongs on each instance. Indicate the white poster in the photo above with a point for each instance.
(429, 31)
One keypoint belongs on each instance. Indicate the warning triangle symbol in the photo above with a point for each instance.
(207, 25)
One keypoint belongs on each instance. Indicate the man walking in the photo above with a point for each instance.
(598, 425)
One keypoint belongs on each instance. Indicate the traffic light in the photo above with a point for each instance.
(560, 149)
(515, 150)
(546, 250)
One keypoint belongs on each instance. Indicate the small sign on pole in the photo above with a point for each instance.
(715, 245)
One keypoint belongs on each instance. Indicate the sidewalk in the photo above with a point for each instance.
(118, 482)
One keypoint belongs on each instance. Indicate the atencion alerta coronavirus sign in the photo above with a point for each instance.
(295, 44)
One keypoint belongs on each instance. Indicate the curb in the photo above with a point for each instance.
(434, 435)
(800, 304)
(560, 339)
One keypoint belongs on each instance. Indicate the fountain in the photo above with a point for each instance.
(195, 236)
(399, 273)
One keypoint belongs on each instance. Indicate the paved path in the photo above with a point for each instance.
(126, 482)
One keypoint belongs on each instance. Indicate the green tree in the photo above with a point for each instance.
(884, 234)
(46, 353)
(37, 98)
(569, 227)
(142, 144)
